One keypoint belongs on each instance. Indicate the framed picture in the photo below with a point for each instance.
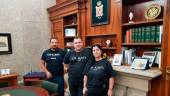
(70, 32)
(99, 12)
(140, 63)
(150, 55)
(117, 59)
(5, 43)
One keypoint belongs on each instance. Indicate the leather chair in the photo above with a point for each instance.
(49, 86)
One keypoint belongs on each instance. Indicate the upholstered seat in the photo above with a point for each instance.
(49, 86)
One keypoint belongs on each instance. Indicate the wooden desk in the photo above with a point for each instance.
(11, 79)
(23, 91)
(33, 77)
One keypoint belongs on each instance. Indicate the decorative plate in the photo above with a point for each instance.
(153, 11)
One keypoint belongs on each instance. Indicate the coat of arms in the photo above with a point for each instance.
(99, 9)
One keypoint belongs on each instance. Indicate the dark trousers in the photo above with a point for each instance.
(96, 92)
(75, 86)
(60, 81)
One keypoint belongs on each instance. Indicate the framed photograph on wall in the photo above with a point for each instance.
(5, 43)
(70, 32)
(99, 12)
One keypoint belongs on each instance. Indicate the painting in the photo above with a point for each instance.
(99, 12)
(5, 43)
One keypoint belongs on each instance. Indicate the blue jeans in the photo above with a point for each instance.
(60, 81)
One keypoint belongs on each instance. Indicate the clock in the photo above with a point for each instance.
(153, 11)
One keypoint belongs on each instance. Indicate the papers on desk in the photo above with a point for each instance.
(5, 94)
(4, 71)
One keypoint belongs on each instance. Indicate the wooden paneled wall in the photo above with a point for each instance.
(114, 22)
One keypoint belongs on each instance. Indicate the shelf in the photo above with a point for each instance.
(70, 25)
(69, 37)
(141, 44)
(144, 23)
(100, 35)
(69, 46)
(109, 48)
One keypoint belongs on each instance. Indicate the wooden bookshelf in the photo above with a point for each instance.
(141, 44)
(109, 48)
(101, 35)
(70, 25)
(143, 23)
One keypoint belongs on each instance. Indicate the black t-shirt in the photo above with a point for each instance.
(77, 61)
(99, 74)
(54, 60)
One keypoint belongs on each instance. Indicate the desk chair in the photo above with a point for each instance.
(49, 86)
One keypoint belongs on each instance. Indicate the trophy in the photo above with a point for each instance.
(130, 17)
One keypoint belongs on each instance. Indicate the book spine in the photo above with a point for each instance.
(147, 34)
(152, 34)
(142, 34)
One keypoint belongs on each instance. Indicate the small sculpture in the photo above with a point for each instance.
(130, 17)
(108, 43)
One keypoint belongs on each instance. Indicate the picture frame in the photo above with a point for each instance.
(70, 32)
(99, 12)
(5, 43)
(117, 59)
(150, 55)
(140, 63)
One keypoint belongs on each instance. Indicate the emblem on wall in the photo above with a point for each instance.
(99, 12)
(99, 9)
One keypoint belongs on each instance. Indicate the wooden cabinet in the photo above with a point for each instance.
(138, 8)
(70, 30)
(108, 49)
(139, 33)
(65, 15)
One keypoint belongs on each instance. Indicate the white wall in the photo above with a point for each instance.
(28, 23)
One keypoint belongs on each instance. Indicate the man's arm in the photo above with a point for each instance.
(85, 85)
(43, 67)
(65, 67)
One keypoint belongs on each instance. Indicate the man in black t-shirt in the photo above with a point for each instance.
(51, 64)
(75, 62)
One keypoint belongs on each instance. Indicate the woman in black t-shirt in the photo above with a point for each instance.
(99, 76)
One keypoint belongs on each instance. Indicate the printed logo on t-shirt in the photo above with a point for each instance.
(95, 68)
(53, 56)
(78, 58)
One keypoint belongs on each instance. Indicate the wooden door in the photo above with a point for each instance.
(166, 65)
(161, 85)
(165, 80)
(57, 31)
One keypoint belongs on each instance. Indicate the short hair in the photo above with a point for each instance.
(53, 38)
(77, 37)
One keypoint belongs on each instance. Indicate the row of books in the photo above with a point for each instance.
(148, 34)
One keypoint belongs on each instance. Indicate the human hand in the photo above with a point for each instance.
(48, 74)
(110, 92)
(85, 91)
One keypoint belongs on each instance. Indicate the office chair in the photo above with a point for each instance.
(50, 87)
